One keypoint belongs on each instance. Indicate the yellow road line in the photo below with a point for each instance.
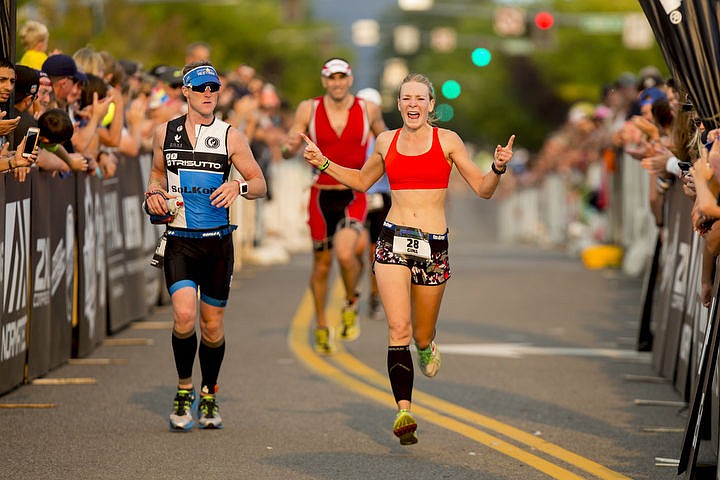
(428, 406)
(27, 405)
(360, 369)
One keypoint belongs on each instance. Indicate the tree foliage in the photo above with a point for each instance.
(527, 94)
(285, 53)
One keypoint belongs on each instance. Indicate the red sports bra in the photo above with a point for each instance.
(429, 170)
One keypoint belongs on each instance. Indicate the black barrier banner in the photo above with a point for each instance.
(38, 357)
(697, 414)
(669, 304)
(133, 219)
(14, 318)
(62, 212)
(115, 251)
(124, 243)
(90, 329)
(155, 281)
(645, 336)
(154, 277)
(687, 356)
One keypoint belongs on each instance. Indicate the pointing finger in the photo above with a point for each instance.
(307, 140)
(510, 142)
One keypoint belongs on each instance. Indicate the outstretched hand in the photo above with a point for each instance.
(502, 154)
(312, 153)
(702, 168)
(7, 126)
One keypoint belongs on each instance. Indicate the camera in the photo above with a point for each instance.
(159, 255)
(31, 141)
(684, 166)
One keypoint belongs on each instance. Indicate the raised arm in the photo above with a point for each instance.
(483, 185)
(298, 127)
(359, 180)
(158, 181)
(242, 158)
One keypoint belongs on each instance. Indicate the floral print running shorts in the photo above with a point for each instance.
(435, 271)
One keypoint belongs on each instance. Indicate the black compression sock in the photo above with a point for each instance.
(184, 348)
(400, 371)
(211, 356)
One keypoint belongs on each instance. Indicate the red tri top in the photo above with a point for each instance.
(429, 170)
(349, 148)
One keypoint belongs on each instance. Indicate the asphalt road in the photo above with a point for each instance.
(539, 380)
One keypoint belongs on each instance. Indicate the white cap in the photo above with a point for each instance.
(336, 65)
(371, 95)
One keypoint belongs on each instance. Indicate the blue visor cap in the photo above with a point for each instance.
(201, 75)
(650, 95)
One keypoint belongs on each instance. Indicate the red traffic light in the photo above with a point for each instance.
(544, 20)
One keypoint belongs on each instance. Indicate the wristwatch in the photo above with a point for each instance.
(243, 187)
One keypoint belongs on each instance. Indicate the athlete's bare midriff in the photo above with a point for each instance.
(330, 187)
(423, 209)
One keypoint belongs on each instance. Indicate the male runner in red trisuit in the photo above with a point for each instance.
(340, 124)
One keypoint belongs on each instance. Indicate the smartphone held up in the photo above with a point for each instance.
(31, 141)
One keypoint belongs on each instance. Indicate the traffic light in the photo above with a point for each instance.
(444, 112)
(451, 89)
(481, 57)
(544, 20)
(543, 33)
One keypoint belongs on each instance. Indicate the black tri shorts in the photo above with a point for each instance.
(204, 263)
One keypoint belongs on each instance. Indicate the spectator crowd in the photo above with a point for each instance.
(643, 122)
(92, 107)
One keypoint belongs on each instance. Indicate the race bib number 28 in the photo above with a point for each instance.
(410, 242)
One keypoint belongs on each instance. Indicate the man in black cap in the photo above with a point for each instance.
(64, 75)
(27, 84)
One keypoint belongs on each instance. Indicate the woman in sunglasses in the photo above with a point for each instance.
(192, 156)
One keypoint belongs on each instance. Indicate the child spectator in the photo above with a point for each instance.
(56, 128)
(34, 37)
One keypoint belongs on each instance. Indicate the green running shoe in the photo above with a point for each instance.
(429, 359)
(181, 418)
(324, 341)
(404, 428)
(209, 412)
(350, 327)
(374, 307)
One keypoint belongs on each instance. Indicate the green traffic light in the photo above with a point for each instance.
(481, 57)
(451, 89)
(444, 112)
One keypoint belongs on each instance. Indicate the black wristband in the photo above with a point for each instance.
(498, 172)
(155, 192)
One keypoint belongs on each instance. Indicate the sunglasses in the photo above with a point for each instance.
(214, 87)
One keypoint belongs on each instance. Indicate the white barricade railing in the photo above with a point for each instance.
(269, 230)
(639, 232)
(553, 213)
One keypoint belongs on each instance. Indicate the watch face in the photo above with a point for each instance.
(243, 188)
